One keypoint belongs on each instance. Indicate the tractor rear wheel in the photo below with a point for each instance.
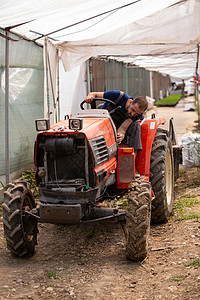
(162, 177)
(137, 227)
(20, 231)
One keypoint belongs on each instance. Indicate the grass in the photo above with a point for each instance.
(195, 263)
(184, 202)
(52, 274)
(171, 100)
(189, 216)
(179, 278)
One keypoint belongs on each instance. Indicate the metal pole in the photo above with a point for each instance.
(58, 88)
(88, 76)
(7, 146)
(151, 84)
(88, 79)
(47, 81)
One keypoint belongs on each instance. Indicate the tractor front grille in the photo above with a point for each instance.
(99, 149)
(64, 159)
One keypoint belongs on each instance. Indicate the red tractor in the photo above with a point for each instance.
(79, 163)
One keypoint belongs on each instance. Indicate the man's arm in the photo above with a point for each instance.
(122, 130)
(93, 95)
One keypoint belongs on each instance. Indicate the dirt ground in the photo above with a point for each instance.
(88, 261)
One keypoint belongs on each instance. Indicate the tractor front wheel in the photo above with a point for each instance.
(137, 227)
(20, 231)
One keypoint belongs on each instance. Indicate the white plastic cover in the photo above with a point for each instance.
(73, 89)
(191, 150)
(159, 42)
(157, 35)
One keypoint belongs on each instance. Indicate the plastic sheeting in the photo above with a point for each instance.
(157, 35)
(47, 16)
(191, 150)
(26, 87)
(25, 106)
(22, 54)
(165, 41)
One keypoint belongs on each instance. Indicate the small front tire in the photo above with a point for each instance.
(20, 232)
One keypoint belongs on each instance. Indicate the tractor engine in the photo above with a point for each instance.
(75, 162)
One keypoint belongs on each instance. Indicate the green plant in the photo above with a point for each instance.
(188, 196)
(186, 201)
(182, 171)
(121, 201)
(171, 100)
(52, 274)
(3, 186)
(180, 206)
(178, 277)
(195, 263)
(189, 216)
(29, 176)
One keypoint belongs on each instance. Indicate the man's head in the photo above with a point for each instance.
(136, 107)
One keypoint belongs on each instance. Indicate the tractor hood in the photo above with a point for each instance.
(95, 123)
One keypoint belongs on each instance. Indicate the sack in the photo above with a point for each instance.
(191, 150)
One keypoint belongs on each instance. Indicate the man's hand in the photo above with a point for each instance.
(89, 98)
(120, 137)
(93, 95)
(122, 130)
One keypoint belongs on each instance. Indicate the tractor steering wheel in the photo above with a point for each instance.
(100, 99)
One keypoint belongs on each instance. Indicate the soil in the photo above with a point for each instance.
(88, 261)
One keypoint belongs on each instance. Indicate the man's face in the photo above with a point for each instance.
(133, 110)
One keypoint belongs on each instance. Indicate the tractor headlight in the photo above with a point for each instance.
(42, 124)
(75, 124)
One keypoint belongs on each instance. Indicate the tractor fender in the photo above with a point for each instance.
(149, 128)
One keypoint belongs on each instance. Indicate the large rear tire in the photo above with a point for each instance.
(162, 177)
(20, 232)
(137, 227)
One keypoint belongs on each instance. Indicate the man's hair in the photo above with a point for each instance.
(141, 101)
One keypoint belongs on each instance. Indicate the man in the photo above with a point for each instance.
(128, 130)
(183, 89)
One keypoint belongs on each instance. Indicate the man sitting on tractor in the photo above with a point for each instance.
(131, 110)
